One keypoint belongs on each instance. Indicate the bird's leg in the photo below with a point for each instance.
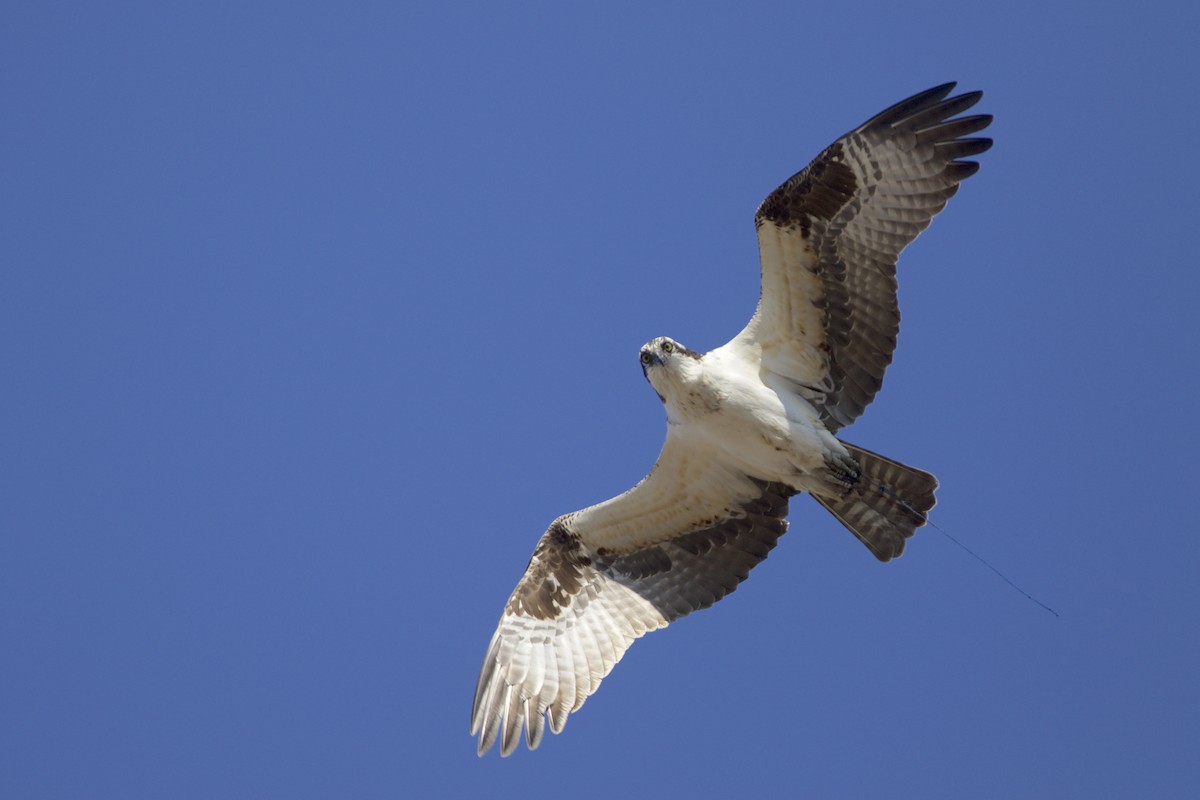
(842, 473)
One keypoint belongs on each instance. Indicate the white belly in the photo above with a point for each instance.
(770, 433)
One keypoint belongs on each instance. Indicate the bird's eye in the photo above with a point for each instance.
(667, 347)
(645, 358)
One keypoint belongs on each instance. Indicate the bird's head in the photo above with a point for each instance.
(667, 364)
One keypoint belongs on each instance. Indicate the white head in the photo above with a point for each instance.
(667, 365)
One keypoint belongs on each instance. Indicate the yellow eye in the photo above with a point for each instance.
(667, 347)
(645, 358)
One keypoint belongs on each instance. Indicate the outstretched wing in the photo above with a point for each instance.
(829, 238)
(680, 540)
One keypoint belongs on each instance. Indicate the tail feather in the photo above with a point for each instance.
(886, 505)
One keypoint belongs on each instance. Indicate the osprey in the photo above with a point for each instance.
(749, 425)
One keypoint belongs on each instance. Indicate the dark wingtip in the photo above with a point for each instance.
(971, 98)
(939, 91)
(911, 105)
(959, 171)
(959, 148)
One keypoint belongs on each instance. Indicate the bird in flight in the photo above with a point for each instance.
(749, 425)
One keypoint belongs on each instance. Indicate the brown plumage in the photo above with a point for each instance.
(751, 425)
(854, 208)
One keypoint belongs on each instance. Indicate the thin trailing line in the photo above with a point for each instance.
(925, 519)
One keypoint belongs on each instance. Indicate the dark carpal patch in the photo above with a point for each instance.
(555, 574)
(819, 191)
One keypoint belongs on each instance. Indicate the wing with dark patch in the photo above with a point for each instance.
(829, 239)
(579, 607)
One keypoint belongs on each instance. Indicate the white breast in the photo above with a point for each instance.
(768, 431)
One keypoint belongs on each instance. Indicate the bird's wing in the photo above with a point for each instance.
(829, 238)
(680, 540)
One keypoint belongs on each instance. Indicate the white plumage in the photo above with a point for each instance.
(748, 425)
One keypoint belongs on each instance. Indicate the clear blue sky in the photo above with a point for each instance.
(312, 316)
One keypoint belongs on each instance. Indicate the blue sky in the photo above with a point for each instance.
(313, 316)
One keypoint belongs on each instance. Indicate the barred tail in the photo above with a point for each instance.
(886, 505)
